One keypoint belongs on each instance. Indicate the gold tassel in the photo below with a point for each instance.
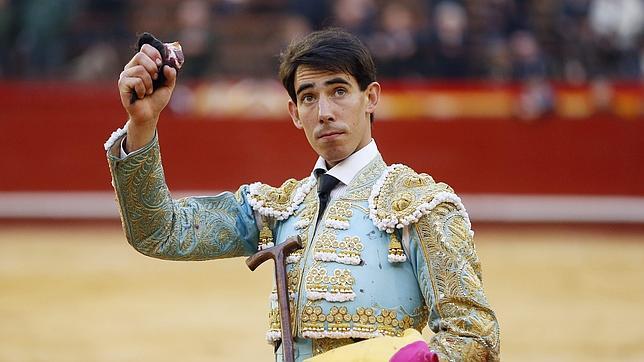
(396, 252)
(265, 237)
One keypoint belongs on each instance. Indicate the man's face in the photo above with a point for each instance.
(333, 112)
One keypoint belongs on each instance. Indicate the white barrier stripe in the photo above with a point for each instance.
(550, 208)
(480, 207)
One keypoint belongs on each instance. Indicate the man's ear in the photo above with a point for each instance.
(295, 114)
(373, 95)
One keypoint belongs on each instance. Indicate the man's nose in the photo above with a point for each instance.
(325, 110)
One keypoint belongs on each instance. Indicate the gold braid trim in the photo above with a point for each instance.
(466, 328)
(193, 228)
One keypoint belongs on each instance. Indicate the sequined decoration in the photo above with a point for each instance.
(339, 215)
(345, 251)
(337, 287)
(364, 323)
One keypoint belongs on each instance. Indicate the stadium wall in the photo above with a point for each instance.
(53, 164)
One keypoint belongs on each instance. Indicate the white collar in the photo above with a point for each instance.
(348, 168)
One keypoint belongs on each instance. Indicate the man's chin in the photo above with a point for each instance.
(333, 158)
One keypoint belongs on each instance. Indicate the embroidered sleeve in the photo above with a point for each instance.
(449, 274)
(192, 228)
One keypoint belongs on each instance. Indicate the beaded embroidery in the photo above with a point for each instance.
(364, 323)
(337, 287)
(345, 251)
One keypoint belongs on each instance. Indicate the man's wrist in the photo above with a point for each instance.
(139, 135)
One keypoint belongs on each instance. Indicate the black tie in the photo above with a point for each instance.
(326, 183)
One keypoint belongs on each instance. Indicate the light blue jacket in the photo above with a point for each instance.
(393, 252)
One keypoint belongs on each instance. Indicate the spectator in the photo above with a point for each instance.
(356, 16)
(447, 51)
(395, 45)
(575, 40)
(617, 26)
(199, 44)
(527, 60)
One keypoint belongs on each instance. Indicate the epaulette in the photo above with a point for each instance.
(276, 203)
(401, 197)
(279, 202)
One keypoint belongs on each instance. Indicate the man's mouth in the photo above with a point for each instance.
(329, 134)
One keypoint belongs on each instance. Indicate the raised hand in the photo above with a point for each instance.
(137, 77)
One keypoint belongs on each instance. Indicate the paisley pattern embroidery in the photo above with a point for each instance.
(193, 228)
(454, 274)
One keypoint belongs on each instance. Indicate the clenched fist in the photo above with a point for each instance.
(145, 87)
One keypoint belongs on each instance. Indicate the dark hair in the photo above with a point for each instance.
(332, 50)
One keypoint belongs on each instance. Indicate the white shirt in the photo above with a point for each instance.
(347, 169)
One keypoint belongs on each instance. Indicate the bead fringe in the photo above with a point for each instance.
(298, 196)
(340, 334)
(336, 224)
(273, 335)
(342, 259)
(331, 297)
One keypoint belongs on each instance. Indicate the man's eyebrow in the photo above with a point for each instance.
(336, 80)
(303, 86)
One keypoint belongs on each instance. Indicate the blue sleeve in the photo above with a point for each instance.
(192, 228)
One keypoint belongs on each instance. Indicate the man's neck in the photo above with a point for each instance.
(346, 169)
(330, 165)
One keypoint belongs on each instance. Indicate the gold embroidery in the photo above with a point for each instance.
(307, 214)
(282, 195)
(193, 228)
(417, 180)
(454, 274)
(347, 250)
(360, 188)
(274, 322)
(335, 287)
(265, 236)
(296, 256)
(403, 192)
(278, 202)
(364, 323)
(395, 247)
(324, 345)
(293, 282)
(340, 211)
(402, 202)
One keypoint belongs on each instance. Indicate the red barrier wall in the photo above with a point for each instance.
(51, 138)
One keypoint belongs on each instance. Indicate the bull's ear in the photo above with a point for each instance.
(147, 38)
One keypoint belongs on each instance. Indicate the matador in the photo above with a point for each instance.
(386, 250)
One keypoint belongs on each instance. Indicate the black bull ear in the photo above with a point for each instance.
(147, 38)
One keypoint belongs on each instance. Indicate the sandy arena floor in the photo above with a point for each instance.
(70, 293)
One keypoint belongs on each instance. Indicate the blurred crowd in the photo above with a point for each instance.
(569, 40)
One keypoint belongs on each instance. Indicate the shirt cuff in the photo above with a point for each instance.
(123, 154)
